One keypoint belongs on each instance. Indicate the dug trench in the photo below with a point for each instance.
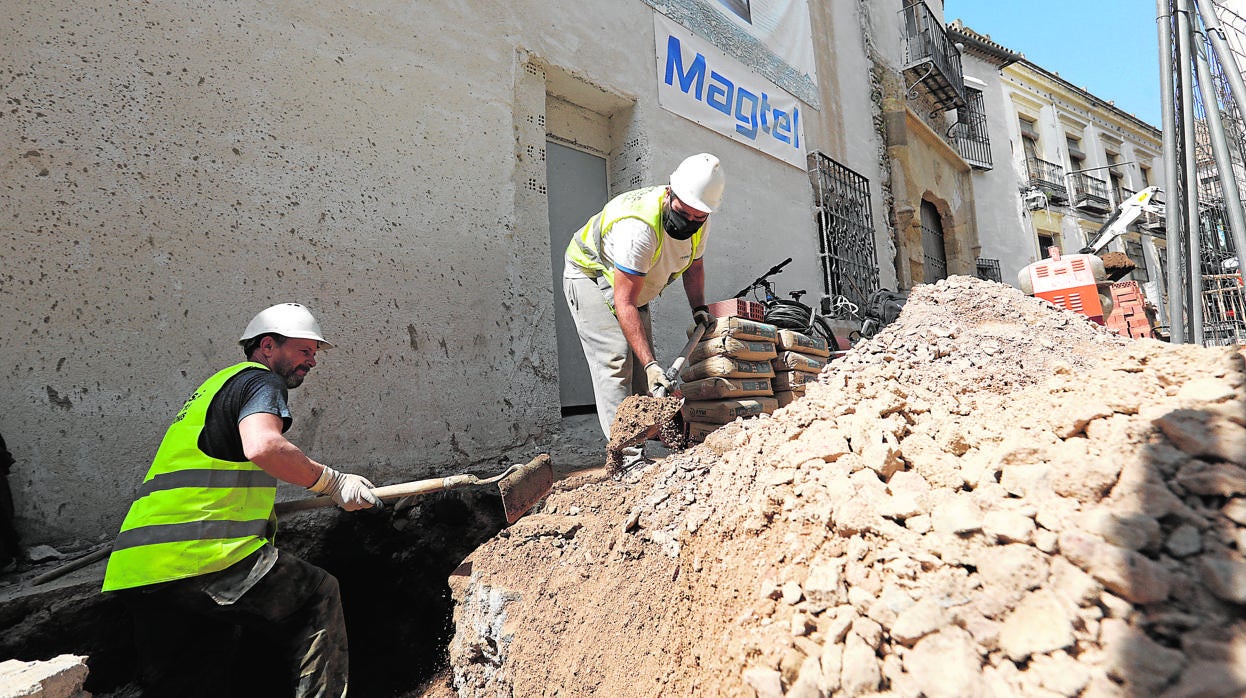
(392, 565)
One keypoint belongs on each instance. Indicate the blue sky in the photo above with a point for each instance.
(1108, 47)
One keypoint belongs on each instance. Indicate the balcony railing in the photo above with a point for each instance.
(930, 58)
(1089, 193)
(1122, 194)
(1047, 176)
(970, 131)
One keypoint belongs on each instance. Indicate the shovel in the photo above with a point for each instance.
(627, 430)
(522, 486)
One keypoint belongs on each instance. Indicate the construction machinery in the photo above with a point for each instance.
(1081, 282)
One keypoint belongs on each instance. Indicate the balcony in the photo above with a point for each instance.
(1089, 193)
(1122, 194)
(969, 133)
(1047, 176)
(930, 59)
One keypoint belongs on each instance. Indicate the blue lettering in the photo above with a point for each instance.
(721, 96)
(782, 126)
(675, 65)
(751, 112)
(746, 120)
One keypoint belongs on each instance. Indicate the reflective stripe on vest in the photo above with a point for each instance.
(193, 514)
(645, 205)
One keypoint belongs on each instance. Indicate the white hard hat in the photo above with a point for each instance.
(287, 320)
(698, 182)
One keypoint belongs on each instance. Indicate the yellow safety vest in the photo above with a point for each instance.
(584, 250)
(194, 514)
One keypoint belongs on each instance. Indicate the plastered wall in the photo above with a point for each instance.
(169, 169)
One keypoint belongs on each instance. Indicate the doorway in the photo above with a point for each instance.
(577, 189)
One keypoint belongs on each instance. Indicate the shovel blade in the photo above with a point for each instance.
(529, 484)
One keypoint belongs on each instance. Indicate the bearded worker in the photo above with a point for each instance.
(195, 559)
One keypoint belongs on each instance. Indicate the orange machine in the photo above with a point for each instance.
(1071, 282)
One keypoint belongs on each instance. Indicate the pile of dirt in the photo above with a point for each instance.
(991, 497)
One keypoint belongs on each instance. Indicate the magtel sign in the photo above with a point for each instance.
(703, 84)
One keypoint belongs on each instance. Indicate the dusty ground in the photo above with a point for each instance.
(991, 497)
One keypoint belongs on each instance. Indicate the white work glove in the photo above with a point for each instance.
(351, 492)
(657, 379)
(701, 315)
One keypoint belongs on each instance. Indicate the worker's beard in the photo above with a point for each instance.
(289, 372)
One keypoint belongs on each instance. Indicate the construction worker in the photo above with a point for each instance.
(195, 557)
(623, 257)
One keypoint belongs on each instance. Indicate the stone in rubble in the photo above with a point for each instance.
(1224, 577)
(1131, 657)
(1205, 435)
(1039, 625)
(1184, 541)
(1129, 574)
(1009, 526)
(918, 621)
(860, 673)
(946, 664)
(1212, 479)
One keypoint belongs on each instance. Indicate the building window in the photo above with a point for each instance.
(1045, 243)
(1133, 250)
(972, 141)
(988, 269)
(846, 250)
(1144, 173)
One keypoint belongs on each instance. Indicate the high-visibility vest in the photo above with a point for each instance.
(193, 514)
(584, 250)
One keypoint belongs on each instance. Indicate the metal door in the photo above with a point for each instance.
(933, 251)
(577, 189)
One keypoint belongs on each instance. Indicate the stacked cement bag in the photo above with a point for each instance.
(728, 375)
(799, 360)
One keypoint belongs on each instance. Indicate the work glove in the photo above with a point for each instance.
(701, 315)
(657, 379)
(351, 492)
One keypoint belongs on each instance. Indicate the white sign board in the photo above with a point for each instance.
(782, 25)
(705, 85)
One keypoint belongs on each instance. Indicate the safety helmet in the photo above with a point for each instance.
(698, 182)
(287, 320)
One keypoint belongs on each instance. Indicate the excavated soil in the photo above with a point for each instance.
(1117, 264)
(635, 419)
(991, 497)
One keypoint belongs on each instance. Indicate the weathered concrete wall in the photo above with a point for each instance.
(169, 169)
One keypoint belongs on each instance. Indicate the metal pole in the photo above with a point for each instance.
(1172, 211)
(1185, 62)
(1228, 64)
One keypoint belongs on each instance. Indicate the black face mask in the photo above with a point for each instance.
(678, 225)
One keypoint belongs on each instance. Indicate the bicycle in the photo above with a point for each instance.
(788, 314)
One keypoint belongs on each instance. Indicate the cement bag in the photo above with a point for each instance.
(793, 380)
(739, 328)
(795, 361)
(786, 397)
(747, 349)
(723, 411)
(791, 340)
(697, 431)
(727, 367)
(719, 388)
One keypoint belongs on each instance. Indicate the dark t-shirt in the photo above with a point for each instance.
(250, 391)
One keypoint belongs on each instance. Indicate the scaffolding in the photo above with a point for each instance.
(1202, 50)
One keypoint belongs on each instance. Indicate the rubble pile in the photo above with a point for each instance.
(992, 497)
